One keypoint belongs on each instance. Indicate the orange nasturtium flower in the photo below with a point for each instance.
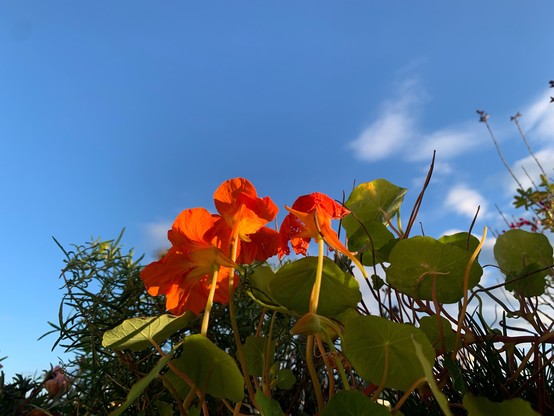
(245, 214)
(184, 274)
(201, 243)
(310, 217)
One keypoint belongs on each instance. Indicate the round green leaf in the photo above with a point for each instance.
(259, 288)
(481, 406)
(416, 262)
(377, 200)
(268, 406)
(353, 403)
(462, 240)
(372, 205)
(293, 283)
(373, 241)
(520, 253)
(373, 344)
(284, 379)
(211, 369)
(430, 326)
(255, 351)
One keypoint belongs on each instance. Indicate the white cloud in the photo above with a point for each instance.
(537, 123)
(156, 236)
(448, 142)
(528, 164)
(394, 127)
(464, 200)
(538, 119)
(396, 132)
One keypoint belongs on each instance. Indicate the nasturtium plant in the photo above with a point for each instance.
(259, 288)
(353, 403)
(481, 406)
(212, 370)
(425, 268)
(257, 349)
(252, 332)
(439, 332)
(526, 259)
(268, 406)
(462, 240)
(372, 205)
(293, 283)
(378, 200)
(382, 351)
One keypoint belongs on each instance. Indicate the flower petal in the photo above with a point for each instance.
(238, 203)
(159, 276)
(262, 245)
(190, 227)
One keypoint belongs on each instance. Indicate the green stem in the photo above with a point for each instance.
(314, 299)
(209, 303)
(338, 362)
(313, 372)
(236, 335)
(457, 341)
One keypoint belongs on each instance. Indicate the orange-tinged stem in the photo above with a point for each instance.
(236, 335)
(209, 303)
(313, 372)
(314, 298)
(457, 341)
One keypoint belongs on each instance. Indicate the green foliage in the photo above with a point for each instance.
(139, 334)
(525, 258)
(481, 406)
(293, 284)
(382, 351)
(353, 403)
(102, 290)
(272, 353)
(425, 268)
(211, 370)
(540, 201)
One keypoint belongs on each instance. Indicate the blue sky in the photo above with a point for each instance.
(122, 114)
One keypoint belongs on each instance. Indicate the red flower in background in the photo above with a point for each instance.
(310, 217)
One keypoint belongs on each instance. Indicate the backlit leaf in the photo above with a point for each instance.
(353, 403)
(481, 406)
(255, 353)
(430, 325)
(269, 407)
(137, 333)
(211, 369)
(372, 204)
(374, 344)
(521, 254)
(293, 283)
(419, 263)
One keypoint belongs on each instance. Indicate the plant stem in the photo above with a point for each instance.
(236, 335)
(209, 303)
(338, 362)
(313, 372)
(314, 299)
(330, 374)
(458, 338)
